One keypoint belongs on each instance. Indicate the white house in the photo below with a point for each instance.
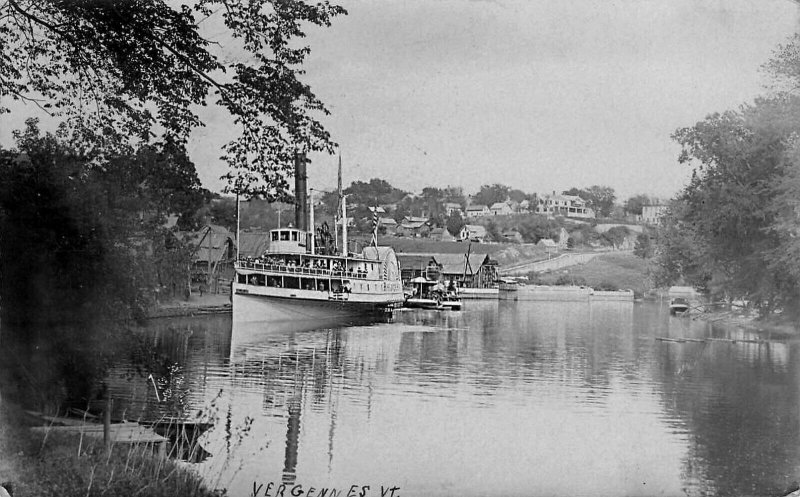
(451, 207)
(563, 205)
(477, 210)
(651, 214)
(472, 232)
(501, 209)
(389, 224)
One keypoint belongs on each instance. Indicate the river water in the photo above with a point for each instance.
(502, 398)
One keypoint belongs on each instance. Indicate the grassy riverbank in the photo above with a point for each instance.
(64, 465)
(613, 271)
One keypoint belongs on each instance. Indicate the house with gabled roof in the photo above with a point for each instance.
(473, 233)
(388, 224)
(563, 205)
(473, 271)
(451, 207)
(501, 209)
(413, 226)
(213, 254)
(477, 210)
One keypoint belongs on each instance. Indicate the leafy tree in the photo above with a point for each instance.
(456, 195)
(491, 194)
(493, 231)
(679, 251)
(434, 199)
(454, 223)
(94, 242)
(615, 236)
(223, 212)
(723, 234)
(402, 211)
(518, 195)
(644, 246)
(534, 227)
(583, 235)
(635, 204)
(368, 193)
(118, 71)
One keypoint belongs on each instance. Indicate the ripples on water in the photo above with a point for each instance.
(502, 398)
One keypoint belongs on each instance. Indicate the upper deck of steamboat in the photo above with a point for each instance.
(288, 253)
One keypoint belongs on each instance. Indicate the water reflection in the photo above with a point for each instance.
(503, 398)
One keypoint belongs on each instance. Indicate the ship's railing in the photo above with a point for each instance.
(302, 270)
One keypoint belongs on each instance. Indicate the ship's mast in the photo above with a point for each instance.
(344, 210)
(344, 225)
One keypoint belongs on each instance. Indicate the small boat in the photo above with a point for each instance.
(431, 294)
(451, 302)
(678, 305)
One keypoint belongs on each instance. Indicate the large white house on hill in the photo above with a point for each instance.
(563, 205)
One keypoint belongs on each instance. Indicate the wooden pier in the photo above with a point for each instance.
(119, 433)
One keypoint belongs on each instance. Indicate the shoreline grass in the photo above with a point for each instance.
(66, 465)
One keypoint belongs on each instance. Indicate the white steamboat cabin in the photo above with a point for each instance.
(293, 281)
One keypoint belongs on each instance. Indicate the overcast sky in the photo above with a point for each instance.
(541, 95)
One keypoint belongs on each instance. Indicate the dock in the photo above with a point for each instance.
(119, 433)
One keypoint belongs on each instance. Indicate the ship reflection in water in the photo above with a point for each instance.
(502, 398)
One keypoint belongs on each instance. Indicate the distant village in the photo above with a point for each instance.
(420, 225)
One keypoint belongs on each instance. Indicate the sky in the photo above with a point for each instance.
(539, 95)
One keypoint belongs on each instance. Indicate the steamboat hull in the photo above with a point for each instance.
(272, 309)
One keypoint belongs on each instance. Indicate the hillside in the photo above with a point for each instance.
(503, 253)
(616, 270)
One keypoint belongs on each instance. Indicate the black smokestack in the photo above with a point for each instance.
(300, 194)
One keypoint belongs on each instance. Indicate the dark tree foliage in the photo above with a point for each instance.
(723, 233)
(434, 199)
(635, 204)
(615, 236)
(119, 70)
(455, 223)
(680, 251)
(83, 249)
(375, 191)
(82, 243)
(491, 194)
(222, 212)
(644, 246)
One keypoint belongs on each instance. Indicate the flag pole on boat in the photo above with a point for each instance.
(375, 224)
